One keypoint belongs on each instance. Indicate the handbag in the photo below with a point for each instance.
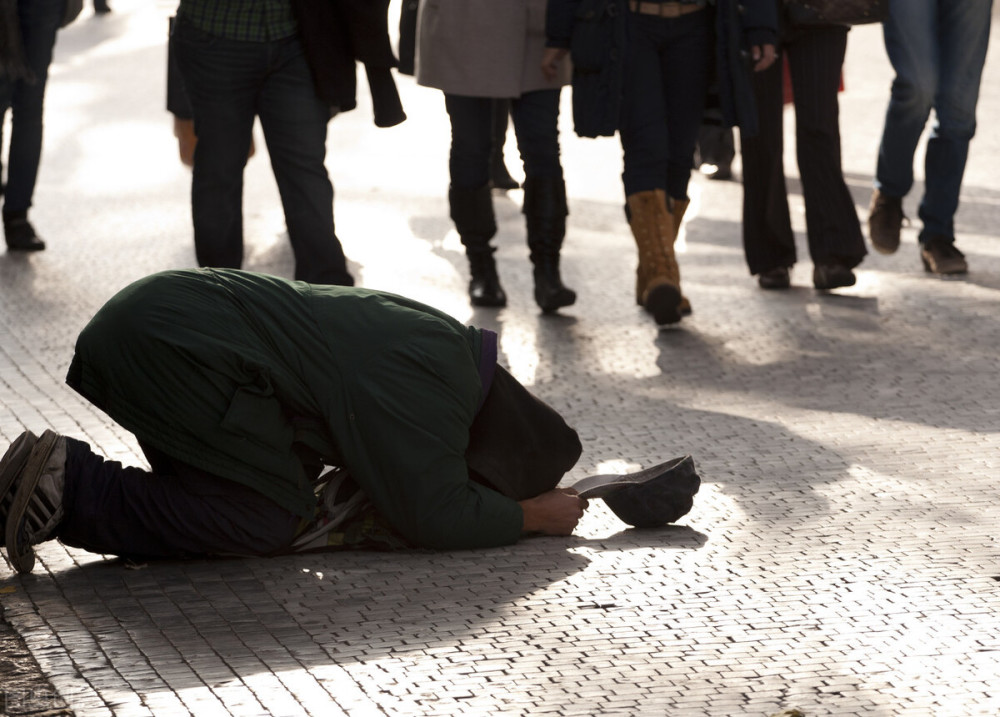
(836, 12)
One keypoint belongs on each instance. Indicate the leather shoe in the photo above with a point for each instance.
(20, 235)
(940, 256)
(832, 276)
(885, 217)
(776, 278)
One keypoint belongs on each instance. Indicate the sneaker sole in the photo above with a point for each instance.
(22, 556)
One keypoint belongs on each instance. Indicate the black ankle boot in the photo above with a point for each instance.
(545, 212)
(19, 233)
(484, 284)
(472, 212)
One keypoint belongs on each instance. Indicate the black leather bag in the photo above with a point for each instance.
(836, 12)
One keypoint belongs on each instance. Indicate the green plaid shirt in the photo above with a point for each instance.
(247, 20)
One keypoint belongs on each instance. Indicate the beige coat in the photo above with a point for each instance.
(483, 48)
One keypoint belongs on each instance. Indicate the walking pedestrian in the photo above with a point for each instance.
(477, 52)
(666, 75)
(937, 49)
(29, 36)
(815, 57)
(240, 59)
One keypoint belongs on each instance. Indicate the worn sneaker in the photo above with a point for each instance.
(885, 217)
(37, 506)
(940, 256)
(11, 465)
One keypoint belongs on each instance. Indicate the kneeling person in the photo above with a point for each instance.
(241, 387)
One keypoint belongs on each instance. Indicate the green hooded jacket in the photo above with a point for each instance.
(247, 376)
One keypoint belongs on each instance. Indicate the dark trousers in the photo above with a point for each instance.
(173, 511)
(666, 80)
(229, 83)
(535, 116)
(815, 57)
(39, 20)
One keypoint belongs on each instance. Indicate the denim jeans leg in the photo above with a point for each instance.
(685, 59)
(39, 23)
(471, 140)
(535, 116)
(295, 121)
(643, 125)
(964, 32)
(662, 104)
(910, 41)
(222, 78)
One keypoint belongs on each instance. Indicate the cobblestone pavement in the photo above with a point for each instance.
(841, 557)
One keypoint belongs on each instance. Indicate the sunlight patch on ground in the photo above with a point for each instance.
(110, 161)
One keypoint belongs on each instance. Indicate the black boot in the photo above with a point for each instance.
(545, 211)
(19, 233)
(472, 212)
(499, 176)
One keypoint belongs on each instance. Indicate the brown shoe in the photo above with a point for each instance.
(885, 217)
(940, 256)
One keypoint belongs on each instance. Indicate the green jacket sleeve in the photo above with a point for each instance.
(411, 408)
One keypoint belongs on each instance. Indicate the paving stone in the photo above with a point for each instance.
(840, 558)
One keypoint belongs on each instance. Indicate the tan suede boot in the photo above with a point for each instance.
(657, 276)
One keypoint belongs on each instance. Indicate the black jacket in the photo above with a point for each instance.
(335, 34)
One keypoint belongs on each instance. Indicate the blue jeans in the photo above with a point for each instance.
(535, 116)
(937, 48)
(39, 21)
(229, 83)
(666, 81)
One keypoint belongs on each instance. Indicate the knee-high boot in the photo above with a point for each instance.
(657, 286)
(472, 212)
(545, 213)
